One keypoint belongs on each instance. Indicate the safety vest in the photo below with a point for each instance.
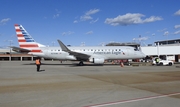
(37, 62)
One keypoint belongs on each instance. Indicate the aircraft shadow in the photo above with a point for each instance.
(70, 65)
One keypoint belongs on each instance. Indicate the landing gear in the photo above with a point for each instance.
(81, 63)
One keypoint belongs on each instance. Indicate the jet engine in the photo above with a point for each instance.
(97, 60)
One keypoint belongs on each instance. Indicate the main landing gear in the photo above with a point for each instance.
(81, 63)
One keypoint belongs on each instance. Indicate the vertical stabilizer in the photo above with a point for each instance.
(25, 40)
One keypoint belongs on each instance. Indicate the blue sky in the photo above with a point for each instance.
(92, 22)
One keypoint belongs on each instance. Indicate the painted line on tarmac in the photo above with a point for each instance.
(133, 100)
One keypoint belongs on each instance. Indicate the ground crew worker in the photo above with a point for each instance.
(38, 64)
(157, 61)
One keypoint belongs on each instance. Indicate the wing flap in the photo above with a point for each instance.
(79, 56)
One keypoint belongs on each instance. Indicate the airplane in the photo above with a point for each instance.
(95, 54)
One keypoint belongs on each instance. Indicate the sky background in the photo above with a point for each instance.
(92, 22)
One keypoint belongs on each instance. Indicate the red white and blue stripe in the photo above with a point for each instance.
(26, 41)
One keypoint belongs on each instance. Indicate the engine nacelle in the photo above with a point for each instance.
(97, 60)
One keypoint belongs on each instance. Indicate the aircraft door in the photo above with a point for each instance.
(127, 53)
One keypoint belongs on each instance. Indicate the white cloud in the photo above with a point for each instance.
(144, 38)
(166, 33)
(4, 21)
(177, 32)
(141, 38)
(57, 14)
(75, 21)
(67, 33)
(94, 21)
(90, 32)
(177, 13)
(130, 18)
(92, 11)
(88, 15)
(152, 19)
(177, 26)
(162, 30)
(85, 17)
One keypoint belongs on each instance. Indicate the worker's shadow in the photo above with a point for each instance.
(41, 70)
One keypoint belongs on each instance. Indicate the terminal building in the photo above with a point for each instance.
(166, 49)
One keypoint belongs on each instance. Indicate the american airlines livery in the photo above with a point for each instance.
(96, 54)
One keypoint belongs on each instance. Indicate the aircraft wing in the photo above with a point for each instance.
(21, 50)
(79, 56)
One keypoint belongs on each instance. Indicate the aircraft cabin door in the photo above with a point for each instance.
(128, 50)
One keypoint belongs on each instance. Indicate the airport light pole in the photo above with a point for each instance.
(10, 43)
(153, 35)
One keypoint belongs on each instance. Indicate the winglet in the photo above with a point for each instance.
(63, 47)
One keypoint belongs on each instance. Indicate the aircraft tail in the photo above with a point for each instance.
(26, 41)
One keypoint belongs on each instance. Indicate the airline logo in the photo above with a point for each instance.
(25, 40)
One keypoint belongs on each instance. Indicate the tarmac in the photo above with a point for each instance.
(68, 85)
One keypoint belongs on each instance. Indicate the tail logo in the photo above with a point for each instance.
(25, 40)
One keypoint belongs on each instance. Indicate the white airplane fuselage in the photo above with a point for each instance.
(100, 52)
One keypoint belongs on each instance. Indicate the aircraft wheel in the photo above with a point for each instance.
(81, 63)
(170, 64)
(160, 63)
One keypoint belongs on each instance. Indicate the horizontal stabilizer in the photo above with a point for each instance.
(21, 50)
